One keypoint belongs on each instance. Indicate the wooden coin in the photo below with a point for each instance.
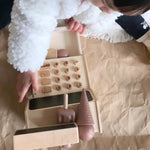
(75, 62)
(66, 63)
(66, 70)
(78, 76)
(67, 78)
(76, 69)
(56, 72)
(56, 64)
(68, 86)
(57, 79)
(78, 84)
(58, 87)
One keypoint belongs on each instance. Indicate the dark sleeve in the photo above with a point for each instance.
(135, 26)
(5, 10)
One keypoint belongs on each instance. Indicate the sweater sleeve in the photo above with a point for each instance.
(29, 38)
(88, 16)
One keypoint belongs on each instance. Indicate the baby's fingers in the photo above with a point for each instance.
(77, 26)
(71, 26)
(22, 91)
(81, 29)
(35, 81)
(66, 146)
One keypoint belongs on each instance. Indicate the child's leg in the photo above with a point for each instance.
(137, 27)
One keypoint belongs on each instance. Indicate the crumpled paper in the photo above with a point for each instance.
(120, 79)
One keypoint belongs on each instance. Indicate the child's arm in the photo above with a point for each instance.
(29, 40)
(24, 81)
(78, 22)
(75, 26)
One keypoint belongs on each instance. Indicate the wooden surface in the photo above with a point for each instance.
(47, 116)
(46, 138)
(50, 88)
(52, 53)
(63, 39)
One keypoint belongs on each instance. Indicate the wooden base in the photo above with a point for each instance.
(46, 137)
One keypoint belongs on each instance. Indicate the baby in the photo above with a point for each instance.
(33, 21)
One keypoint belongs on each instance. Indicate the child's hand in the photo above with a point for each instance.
(75, 26)
(24, 81)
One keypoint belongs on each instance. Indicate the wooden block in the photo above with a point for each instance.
(45, 73)
(45, 81)
(51, 136)
(46, 89)
(45, 66)
(52, 53)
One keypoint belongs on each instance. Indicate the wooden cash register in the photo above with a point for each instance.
(57, 76)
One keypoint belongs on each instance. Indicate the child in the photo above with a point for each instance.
(33, 21)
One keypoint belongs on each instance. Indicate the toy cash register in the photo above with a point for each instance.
(58, 76)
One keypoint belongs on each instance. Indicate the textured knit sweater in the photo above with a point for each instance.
(32, 22)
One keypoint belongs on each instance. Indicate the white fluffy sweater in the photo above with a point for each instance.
(32, 24)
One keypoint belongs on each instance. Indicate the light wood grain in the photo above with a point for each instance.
(45, 139)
